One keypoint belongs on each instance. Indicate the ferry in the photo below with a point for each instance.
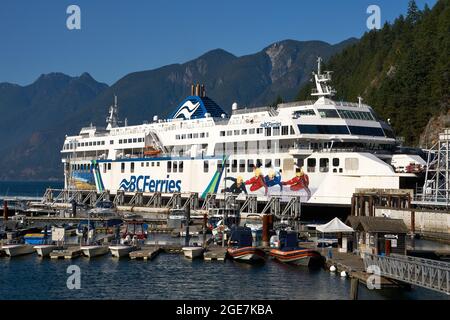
(320, 150)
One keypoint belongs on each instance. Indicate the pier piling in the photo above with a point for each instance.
(354, 284)
(5, 210)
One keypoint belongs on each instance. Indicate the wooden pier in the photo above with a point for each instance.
(215, 253)
(147, 253)
(69, 253)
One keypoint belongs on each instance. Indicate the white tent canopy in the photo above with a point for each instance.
(334, 226)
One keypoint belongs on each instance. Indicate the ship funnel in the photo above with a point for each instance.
(155, 118)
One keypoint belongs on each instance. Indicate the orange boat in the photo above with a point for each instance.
(151, 151)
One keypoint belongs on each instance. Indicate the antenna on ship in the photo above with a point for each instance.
(360, 99)
(322, 89)
(113, 119)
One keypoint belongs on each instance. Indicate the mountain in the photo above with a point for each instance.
(402, 70)
(38, 116)
(250, 80)
(34, 122)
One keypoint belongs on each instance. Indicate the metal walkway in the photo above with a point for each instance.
(429, 274)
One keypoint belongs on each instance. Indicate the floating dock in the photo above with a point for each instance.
(69, 253)
(148, 253)
(215, 253)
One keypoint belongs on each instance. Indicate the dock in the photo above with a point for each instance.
(351, 263)
(148, 253)
(215, 253)
(69, 253)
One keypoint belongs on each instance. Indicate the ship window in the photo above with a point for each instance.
(277, 162)
(202, 134)
(142, 164)
(169, 166)
(157, 164)
(268, 163)
(104, 167)
(244, 131)
(132, 167)
(111, 141)
(300, 113)
(229, 132)
(259, 130)
(234, 166)
(322, 129)
(335, 162)
(177, 137)
(222, 133)
(109, 166)
(334, 170)
(241, 165)
(205, 166)
(250, 165)
(134, 140)
(301, 163)
(122, 167)
(219, 165)
(90, 143)
(103, 143)
(120, 141)
(195, 135)
(351, 164)
(183, 136)
(252, 131)
(190, 136)
(340, 170)
(311, 165)
(175, 166)
(324, 164)
(268, 132)
(259, 163)
(236, 132)
(180, 168)
(292, 130)
(366, 131)
(328, 113)
(130, 140)
(284, 130)
(276, 131)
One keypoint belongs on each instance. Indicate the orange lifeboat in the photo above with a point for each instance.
(151, 151)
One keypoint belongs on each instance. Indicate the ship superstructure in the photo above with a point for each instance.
(321, 150)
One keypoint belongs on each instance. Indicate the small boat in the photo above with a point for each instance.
(289, 252)
(44, 250)
(13, 250)
(121, 250)
(192, 252)
(151, 151)
(133, 229)
(104, 209)
(94, 250)
(242, 249)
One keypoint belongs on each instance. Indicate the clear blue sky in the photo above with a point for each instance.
(118, 37)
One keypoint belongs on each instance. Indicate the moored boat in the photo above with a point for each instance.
(192, 252)
(242, 250)
(121, 250)
(94, 250)
(44, 250)
(289, 252)
(13, 250)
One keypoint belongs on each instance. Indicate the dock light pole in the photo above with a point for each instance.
(5, 210)
(188, 219)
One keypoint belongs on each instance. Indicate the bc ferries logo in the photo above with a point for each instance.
(187, 110)
(145, 184)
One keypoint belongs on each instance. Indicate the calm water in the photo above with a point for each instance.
(171, 276)
(27, 188)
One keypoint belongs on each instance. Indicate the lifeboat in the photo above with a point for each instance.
(151, 151)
